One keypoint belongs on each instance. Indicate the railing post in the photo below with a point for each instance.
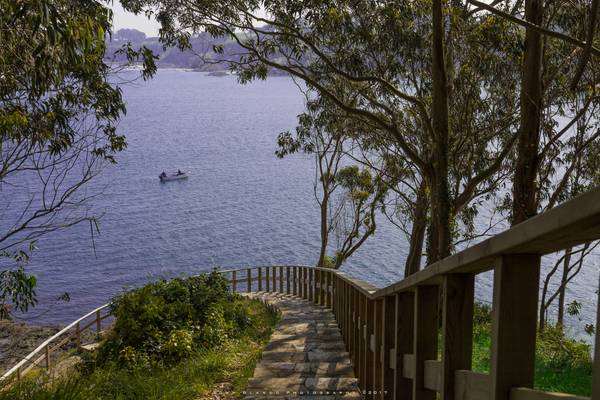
(514, 320)
(330, 291)
(260, 279)
(369, 349)
(47, 356)
(311, 293)
(425, 337)
(377, 349)
(304, 283)
(287, 280)
(295, 278)
(388, 339)
(78, 336)
(280, 279)
(267, 279)
(596, 365)
(361, 334)
(355, 334)
(405, 310)
(457, 329)
(322, 288)
(98, 322)
(233, 281)
(274, 269)
(249, 280)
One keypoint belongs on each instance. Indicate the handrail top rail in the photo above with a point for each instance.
(363, 286)
(50, 340)
(571, 223)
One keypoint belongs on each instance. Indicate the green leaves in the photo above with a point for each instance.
(173, 318)
(17, 287)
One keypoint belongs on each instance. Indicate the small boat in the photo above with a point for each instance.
(173, 177)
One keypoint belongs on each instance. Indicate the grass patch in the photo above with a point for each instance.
(158, 371)
(562, 364)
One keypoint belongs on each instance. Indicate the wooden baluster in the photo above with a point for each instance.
(248, 280)
(78, 336)
(47, 357)
(318, 287)
(356, 333)
(457, 329)
(267, 280)
(368, 350)
(425, 337)
(324, 289)
(260, 279)
(362, 340)
(233, 281)
(376, 347)
(405, 309)
(348, 321)
(98, 322)
(280, 279)
(596, 367)
(315, 285)
(274, 269)
(346, 315)
(388, 352)
(330, 291)
(295, 280)
(311, 284)
(514, 320)
(343, 310)
(287, 280)
(304, 283)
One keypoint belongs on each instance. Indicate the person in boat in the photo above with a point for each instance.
(163, 174)
(179, 172)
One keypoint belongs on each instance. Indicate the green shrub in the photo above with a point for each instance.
(559, 351)
(169, 319)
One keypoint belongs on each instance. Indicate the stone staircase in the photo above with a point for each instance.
(306, 356)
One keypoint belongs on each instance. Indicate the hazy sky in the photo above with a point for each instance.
(124, 19)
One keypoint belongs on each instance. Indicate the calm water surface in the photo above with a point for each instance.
(240, 206)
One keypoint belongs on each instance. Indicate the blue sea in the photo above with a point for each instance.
(241, 206)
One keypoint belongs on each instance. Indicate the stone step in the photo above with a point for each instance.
(262, 395)
(282, 338)
(303, 384)
(307, 329)
(303, 346)
(310, 356)
(307, 369)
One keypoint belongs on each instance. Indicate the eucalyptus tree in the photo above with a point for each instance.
(323, 136)
(557, 153)
(349, 194)
(374, 61)
(58, 124)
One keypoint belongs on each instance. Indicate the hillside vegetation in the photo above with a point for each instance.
(178, 339)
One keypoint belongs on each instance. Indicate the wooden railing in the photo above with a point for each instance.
(392, 333)
(42, 355)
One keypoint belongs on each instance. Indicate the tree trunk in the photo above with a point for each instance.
(561, 294)
(324, 227)
(417, 235)
(524, 187)
(440, 202)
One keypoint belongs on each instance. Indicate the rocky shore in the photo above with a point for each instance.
(17, 339)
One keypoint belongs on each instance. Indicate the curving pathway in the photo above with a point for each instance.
(306, 357)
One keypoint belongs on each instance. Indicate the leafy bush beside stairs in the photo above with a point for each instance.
(171, 339)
